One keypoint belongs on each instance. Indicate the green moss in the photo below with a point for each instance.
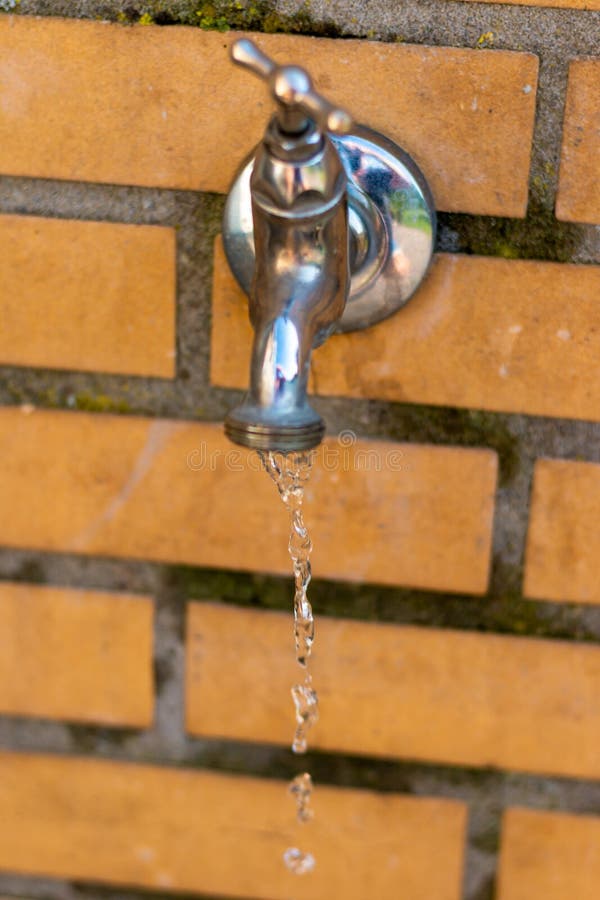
(210, 19)
(221, 15)
(163, 671)
(15, 391)
(505, 250)
(61, 397)
(485, 40)
(86, 738)
(30, 571)
(487, 891)
(463, 427)
(504, 611)
(538, 236)
(213, 206)
(100, 403)
(488, 840)
(213, 584)
(49, 398)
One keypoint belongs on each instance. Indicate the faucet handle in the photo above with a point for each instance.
(292, 88)
(245, 53)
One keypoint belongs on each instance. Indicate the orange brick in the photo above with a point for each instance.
(549, 856)
(179, 830)
(231, 331)
(164, 107)
(578, 198)
(381, 687)
(92, 296)
(528, 334)
(563, 543)
(84, 656)
(179, 492)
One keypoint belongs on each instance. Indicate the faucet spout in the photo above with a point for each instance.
(276, 414)
(301, 281)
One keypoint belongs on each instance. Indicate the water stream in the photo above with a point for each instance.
(290, 472)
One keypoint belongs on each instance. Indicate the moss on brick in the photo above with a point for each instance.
(462, 427)
(30, 571)
(99, 403)
(538, 236)
(163, 673)
(223, 15)
(213, 207)
(503, 611)
(88, 738)
(488, 840)
(18, 391)
(487, 890)
(239, 588)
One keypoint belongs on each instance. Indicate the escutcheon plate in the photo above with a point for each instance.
(392, 227)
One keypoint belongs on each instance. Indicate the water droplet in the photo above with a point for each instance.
(301, 788)
(306, 702)
(298, 862)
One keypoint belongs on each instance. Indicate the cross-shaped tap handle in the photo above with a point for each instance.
(293, 90)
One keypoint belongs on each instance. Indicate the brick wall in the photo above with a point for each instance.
(145, 658)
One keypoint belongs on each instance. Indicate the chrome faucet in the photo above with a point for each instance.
(321, 212)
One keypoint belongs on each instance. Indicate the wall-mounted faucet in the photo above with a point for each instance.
(328, 226)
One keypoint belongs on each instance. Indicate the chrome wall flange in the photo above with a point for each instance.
(392, 226)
